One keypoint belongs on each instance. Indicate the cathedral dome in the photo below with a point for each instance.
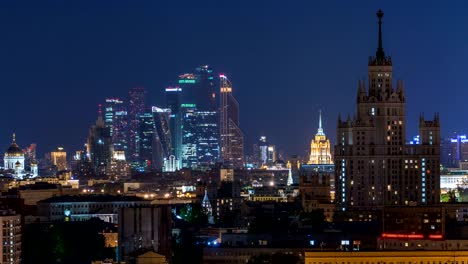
(14, 150)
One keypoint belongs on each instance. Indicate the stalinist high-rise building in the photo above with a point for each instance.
(320, 147)
(373, 165)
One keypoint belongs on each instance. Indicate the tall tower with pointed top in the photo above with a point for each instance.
(320, 147)
(373, 165)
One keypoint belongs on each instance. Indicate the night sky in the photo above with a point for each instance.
(286, 60)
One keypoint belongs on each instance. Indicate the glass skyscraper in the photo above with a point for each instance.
(116, 119)
(231, 136)
(173, 98)
(136, 108)
(145, 141)
(200, 118)
(99, 147)
(162, 144)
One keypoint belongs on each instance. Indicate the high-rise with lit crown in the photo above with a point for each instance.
(373, 164)
(231, 136)
(320, 147)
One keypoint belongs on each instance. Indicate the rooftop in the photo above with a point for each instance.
(91, 198)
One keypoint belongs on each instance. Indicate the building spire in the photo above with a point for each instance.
(14, 137)
(380, 52)
(320, 129)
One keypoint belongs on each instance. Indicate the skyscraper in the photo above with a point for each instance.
(99, 147)
(455, 150)
(200, 141)
(231, 136)
(173, 102)
(163, 135)
(136, 108)
(115, 117)
(261, 149)
(373, 164)
(200, 120)
(189, 136)
(146, 142)
(320, 147)
(200, 88)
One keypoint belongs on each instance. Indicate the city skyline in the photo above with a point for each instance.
(308, 68)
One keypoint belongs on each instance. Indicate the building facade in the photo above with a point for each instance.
(231, 136)
(10, 245)
(373, 164)
(145, 228)
(84, 207)
(387, 257)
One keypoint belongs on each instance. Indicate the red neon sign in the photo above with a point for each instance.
(405, 236)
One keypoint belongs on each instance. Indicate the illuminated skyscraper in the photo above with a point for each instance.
(261, 150)
(99, 147)
(320, 147)
(146, 142)
(115, 117)
(455, 150)
(200, 120)
(59, 159)
(200, 146)
(231, 136)
(373, 164)
(189, 136)
(162, 137)
(135, 109)
(173, 102)
(200, 88)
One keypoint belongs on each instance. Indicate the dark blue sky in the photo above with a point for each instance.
(286, 59)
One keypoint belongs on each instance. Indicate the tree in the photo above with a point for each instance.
(194, 214)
